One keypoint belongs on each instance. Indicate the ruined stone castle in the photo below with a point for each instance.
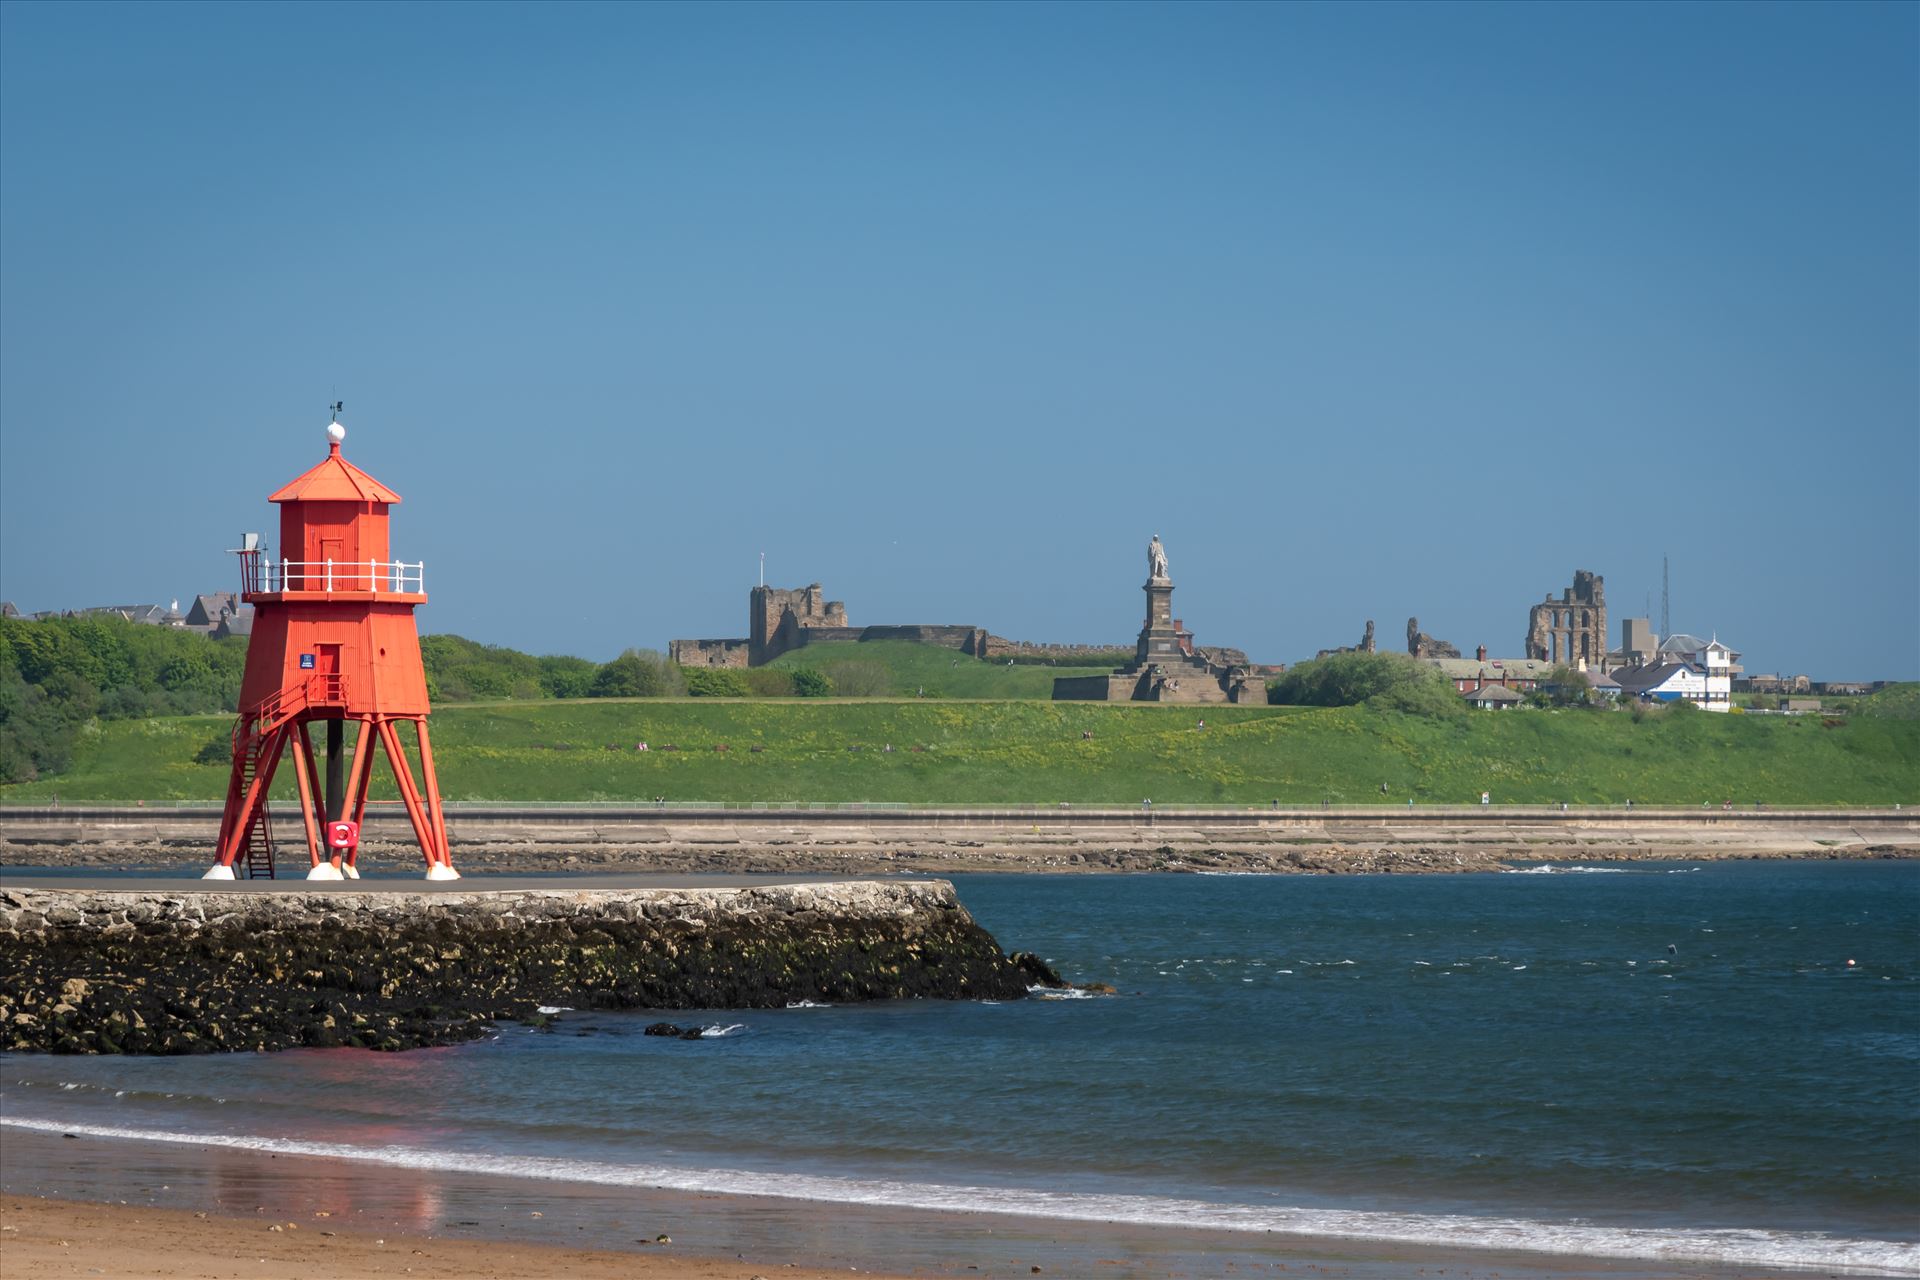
(1572, 629)
(780, 620)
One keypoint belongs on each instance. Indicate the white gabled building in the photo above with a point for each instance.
(1686, 667)
(1714, 660)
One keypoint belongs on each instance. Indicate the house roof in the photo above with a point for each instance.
(1491, 668)
(150, 613)
(1682, 642)
(335, 480)
(1491, 693)
(205, 610)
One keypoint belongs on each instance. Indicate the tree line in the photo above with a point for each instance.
(63, 675)
(1396, 682)
(60, 677)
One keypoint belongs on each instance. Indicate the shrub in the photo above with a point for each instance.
(219, 750)
(767, 682)
(1389, 681)
(637, 673)
(36, 735)
(860, 678)
(1895, 702)
(1432, 695)
(566, 677)
(463, 669)
(808, 683)
(1339, 680)
(1568, 687)
(713, 682)
(187, 670)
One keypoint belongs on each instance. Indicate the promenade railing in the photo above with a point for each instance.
(1048, 809)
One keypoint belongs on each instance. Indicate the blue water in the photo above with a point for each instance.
(1650, 1060)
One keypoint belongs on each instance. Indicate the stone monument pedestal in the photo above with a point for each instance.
(1163, 668)
(1159, 638)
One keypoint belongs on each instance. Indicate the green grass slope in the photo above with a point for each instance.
(1895, 702)
(904, 667)
(1035, 752)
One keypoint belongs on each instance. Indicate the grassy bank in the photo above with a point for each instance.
(904, 668)
(1008, 752)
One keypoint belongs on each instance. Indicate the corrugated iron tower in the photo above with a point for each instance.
(333, 640)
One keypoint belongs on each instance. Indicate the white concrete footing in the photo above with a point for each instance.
(441, 871)
(218, 871)
(325, 871)
(352, 872)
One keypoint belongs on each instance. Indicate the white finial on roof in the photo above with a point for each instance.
(335, 432)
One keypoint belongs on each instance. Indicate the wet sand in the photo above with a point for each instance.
(749, 855)
(46, 1238)
(91, 1206)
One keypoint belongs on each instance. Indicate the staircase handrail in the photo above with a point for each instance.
(268, 714)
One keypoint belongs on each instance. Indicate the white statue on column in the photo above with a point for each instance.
(1156, 559)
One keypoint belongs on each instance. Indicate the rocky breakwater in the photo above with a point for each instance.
(205, 971)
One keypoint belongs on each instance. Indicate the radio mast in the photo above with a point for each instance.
(1666, 599)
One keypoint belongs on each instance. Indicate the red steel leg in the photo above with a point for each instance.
(358, 782)
(303, 768)
(436, 816)
(403, 776)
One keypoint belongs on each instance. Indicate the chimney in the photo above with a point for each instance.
(1480, 654)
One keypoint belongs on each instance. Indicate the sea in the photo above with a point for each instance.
(1716, 1062)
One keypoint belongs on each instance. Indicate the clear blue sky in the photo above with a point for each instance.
(1367, 310)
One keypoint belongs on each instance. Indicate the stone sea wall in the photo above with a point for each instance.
(205, 971)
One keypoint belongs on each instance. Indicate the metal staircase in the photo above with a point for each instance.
(257, 850)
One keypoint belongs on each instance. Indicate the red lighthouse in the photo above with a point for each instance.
(333, 640)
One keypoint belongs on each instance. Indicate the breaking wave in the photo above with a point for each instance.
(1737, 1247)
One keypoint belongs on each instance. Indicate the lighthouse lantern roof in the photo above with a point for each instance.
(335, 480)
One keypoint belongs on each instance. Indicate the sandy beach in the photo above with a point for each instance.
(45, 1238)
(187, 1212)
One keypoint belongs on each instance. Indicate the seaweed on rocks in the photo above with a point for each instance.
(1039, 973)
(221, 971)
(675, 1032)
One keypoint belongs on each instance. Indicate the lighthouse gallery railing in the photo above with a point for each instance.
(258, 574)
